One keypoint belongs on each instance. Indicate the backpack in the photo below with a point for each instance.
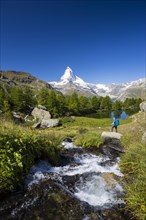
(116, 122)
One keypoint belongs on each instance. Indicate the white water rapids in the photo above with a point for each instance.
(96, 183)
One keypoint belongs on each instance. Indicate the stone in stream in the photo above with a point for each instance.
(111, 145)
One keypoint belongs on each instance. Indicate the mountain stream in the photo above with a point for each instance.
(84, 186)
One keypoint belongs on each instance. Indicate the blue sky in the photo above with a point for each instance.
(103, 41)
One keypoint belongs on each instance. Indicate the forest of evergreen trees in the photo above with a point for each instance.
(23, 100)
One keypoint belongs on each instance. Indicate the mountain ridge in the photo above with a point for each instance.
(70, 82)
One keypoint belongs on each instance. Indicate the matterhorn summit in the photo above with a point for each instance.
(69, 82)
(69, 78)
(68, 75)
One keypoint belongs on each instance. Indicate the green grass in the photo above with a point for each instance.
(133, 165)
(88, 140)
(77, 126)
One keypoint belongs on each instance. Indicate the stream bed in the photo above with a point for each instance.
(84, 186)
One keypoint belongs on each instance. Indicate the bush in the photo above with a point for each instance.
(19, 148)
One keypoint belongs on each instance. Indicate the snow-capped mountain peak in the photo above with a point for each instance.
(68, 75)
(69, 78)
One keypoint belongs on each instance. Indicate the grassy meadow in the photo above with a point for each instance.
(20, 147)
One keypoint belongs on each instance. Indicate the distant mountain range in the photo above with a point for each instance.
(70, 82)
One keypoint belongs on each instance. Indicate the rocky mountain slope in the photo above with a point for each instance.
(70, 82)
(15, 78)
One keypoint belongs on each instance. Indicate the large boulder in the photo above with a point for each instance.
(111, 145)
(43, 118)
(143, 106)
(110, 135)
(40, 114)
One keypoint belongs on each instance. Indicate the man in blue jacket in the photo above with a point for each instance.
(115, 124)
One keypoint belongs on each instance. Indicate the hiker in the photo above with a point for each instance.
(115, 124)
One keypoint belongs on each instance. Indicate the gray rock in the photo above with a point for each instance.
(111, 148)
(111, 145)
(49, 123)
(43, 118)
(40, 114)
(143, 106)
(110, 135)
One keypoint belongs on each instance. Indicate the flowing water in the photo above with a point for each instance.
(85, 186)
(96, 183)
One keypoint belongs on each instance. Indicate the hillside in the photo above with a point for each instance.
(10, 79)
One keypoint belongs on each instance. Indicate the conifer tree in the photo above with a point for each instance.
(16, 97)
(22, 99)
(29, 99)
(73, 104)
(117, 105)
(106, 103)
(84, 105)
(62, 109)
(43, 97)
(52, 104)
(95, 102)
